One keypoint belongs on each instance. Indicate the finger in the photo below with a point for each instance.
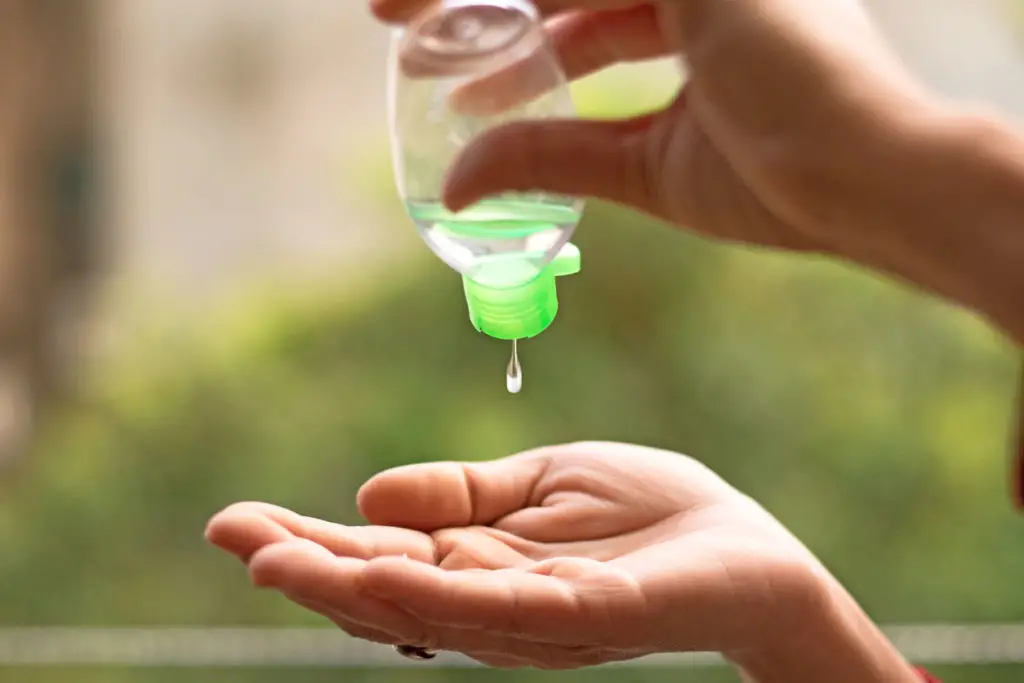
(484, 548)
(340, 589)
(244, 528)
(513, 652)
(600, 159)
(398, 11)
(403, 11)
(584, 42)
(495, 650)
(548, 8)
(361, 632)
(439, 495)
(352, 628)
(310, 572)
(571, 602)
(520, 653)
(332, 587)
(367, 542)
(495, 601)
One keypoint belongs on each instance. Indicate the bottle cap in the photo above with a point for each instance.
(519, 310)
(469, 37)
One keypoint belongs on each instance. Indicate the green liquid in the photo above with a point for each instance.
(508, 239)
(495, 219)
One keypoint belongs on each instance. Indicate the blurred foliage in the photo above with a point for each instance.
(869, 419)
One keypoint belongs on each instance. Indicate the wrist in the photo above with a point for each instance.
(979, 250)
(948, 214)
(833, 641)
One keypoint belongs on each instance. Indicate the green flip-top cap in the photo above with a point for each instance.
(504, 306)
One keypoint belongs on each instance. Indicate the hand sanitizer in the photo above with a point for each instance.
(508, 249)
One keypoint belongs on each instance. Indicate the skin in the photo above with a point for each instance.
(564, 557)
(797, 129)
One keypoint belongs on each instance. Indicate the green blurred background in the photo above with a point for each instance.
(872, 421)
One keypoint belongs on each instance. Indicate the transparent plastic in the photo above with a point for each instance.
(457, 70)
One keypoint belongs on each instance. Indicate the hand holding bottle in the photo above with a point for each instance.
(780, 101)
(564, 557)
(797, 128)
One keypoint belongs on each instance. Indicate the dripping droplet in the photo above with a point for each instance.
(514, 373)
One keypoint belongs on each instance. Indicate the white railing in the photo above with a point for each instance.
(311, 648)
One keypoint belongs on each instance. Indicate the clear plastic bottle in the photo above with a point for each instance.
(509, 249)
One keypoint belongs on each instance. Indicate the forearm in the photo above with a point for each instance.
(840, 644)
(950, 218)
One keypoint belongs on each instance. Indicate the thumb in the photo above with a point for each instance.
(600, 159)
(440, 495)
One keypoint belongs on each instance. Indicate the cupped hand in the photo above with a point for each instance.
(562, 557)
(787, 132)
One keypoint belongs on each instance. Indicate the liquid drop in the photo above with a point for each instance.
(514, 373)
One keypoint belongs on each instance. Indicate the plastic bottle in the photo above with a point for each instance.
(444, 76)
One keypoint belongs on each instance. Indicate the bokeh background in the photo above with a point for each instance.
(208, 293)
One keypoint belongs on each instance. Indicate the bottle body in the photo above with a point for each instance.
(498, 242)
(466, 67)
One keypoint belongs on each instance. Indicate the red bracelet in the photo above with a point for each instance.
(927, 677)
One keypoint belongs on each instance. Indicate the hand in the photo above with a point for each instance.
(784, 134)
(562, 557)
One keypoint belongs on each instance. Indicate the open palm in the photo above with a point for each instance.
(562, 557)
